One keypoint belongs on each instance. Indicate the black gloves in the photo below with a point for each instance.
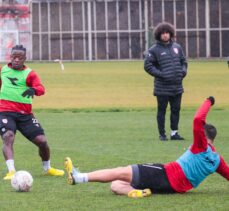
(212, 99)
(30, 92)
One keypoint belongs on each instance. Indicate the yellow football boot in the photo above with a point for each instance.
(139, 193)
(69, 168)
(9, 175)
(54, 172)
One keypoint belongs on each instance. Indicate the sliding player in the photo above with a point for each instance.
(187, 172)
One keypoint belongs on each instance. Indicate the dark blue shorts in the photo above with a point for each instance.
(27, 124)
(152, 176)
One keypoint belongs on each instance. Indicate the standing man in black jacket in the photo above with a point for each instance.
(165, 61)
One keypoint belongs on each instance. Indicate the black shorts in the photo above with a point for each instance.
(152, 176)
(27, 124)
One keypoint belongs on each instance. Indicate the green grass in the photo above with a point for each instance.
(102, 115)
(98, 85)
(96, 140)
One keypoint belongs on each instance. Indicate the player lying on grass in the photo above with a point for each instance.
(18, 85)
(187, 172)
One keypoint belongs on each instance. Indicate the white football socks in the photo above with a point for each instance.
(10, 165)
(46, 165)
(80, 177)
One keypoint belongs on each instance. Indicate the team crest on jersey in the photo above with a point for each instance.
(4, 121)
(175, 50)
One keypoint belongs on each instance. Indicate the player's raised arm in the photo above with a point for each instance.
(199, 137)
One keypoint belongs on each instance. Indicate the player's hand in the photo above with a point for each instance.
(30, 92)
(212, 99)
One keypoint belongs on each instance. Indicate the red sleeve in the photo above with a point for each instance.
(0, 77)
(34, 82)
(199, 139)
(223, 169)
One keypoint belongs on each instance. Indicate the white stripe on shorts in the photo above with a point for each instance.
(155, 167)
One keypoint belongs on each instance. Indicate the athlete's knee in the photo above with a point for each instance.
(8, 137)
(43, 145)
(120, 187)
(115, 186)
(40, 141)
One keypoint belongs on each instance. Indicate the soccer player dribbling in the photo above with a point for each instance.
(187, 172)
(19, 84)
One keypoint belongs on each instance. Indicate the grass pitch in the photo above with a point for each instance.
(110, 85)
(103, 115)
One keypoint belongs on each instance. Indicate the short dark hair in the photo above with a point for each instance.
(210, 131)
(19, 47)
(164, 27)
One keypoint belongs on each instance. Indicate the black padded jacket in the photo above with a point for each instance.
(168, 65)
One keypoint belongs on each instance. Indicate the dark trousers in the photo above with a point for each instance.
(175, 105)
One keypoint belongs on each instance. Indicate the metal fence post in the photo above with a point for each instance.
(89, 30)
(207, 25)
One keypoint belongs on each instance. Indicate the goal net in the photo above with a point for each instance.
(14, 27)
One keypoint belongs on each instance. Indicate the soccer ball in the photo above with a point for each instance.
(22, 181)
